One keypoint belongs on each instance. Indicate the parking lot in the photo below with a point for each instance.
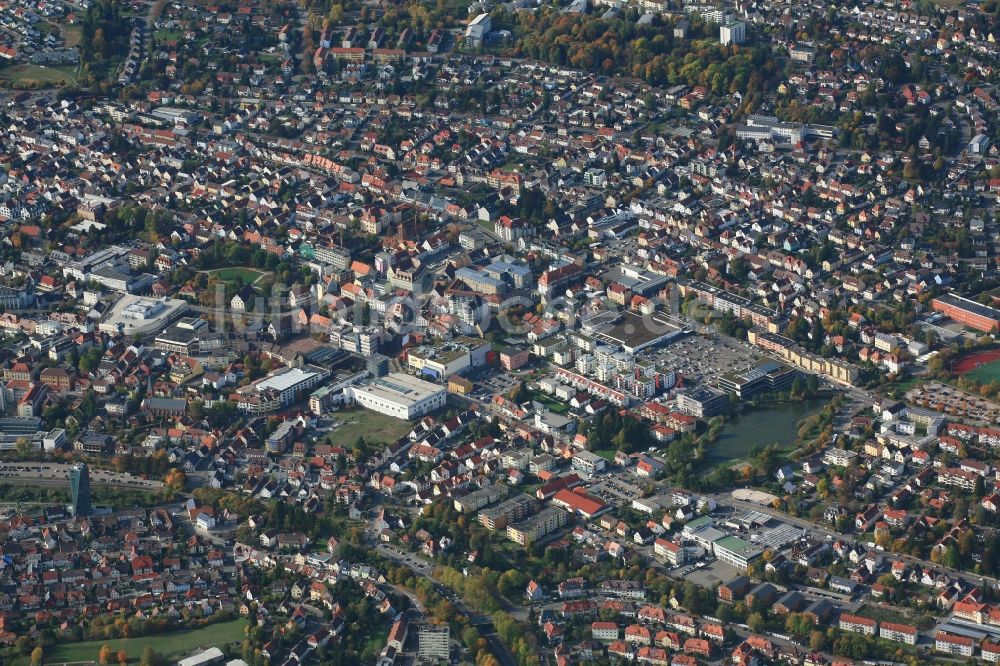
(705, 358)
(620, 488)
(494, 383)
(710, 575)
(950, 400)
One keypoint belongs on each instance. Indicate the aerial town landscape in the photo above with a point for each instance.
(399, 332)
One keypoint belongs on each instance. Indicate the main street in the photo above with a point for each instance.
(482, 622)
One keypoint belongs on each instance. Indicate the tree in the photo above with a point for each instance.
(122, 657)
(22, 446)
(979, 490)
(511, 583)
(843, 523)
(23, 644)
(798, 624)
(950, 557)
(106, 655)
(36, 656)
(756, 623)
(175, 479)
(519, 393)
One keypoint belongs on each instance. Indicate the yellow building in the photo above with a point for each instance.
(460, 385)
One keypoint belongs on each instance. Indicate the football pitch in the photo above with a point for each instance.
(985, 373)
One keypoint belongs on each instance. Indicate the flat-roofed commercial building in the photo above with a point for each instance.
(765, 377)
(399, 395)
(280, 389)
(588, 462)
(454, 357)
(702, 401)
(182, 337)
(326, 397)
(737, 552)
(634, 332)
(172, 114)
(138, 316)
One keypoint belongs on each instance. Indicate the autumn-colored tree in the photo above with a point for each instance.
(175, 479)
(122, 657)
(106, 655)
(36, 656)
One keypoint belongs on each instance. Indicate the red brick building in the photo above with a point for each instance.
(968, 312)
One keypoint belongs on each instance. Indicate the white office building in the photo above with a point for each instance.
(398, 395)
(737, 552)
(280, 389)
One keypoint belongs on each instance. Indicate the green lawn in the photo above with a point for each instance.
(552, 404)
(174, 645)
(607, 454)
(34, 75)
(247, 275)
(167, 35)
(986, 373)
(374, 427)
(487, 225)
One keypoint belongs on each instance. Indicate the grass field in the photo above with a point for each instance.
(174, 645)
(247, 275)
(885, 614)
(71, 34)
(487, 225)
(607, 454)
(553, 405)
(374, 427)
(167, 35)
(986, 373)
(27, 75)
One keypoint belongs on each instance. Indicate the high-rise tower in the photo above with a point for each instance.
(79, 479)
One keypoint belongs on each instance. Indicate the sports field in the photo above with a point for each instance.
(983, 367)
(986, 373)
(174, 645)
(246, 275)
(36, 76)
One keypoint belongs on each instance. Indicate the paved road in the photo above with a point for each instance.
(424, 569)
